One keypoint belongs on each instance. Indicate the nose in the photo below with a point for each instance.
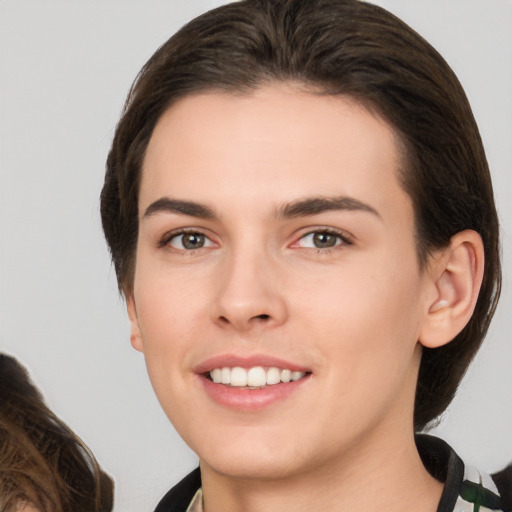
(249, 294)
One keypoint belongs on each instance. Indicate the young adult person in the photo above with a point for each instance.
(301, 218)
(44, 466)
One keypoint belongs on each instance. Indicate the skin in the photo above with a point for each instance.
(351, 314)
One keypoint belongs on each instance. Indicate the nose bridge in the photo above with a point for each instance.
(248, 294)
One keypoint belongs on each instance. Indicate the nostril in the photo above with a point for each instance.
(245, 321)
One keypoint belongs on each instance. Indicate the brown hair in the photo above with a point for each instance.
(337, 47)
(42, 462)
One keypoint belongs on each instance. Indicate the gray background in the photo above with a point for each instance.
(65, 68)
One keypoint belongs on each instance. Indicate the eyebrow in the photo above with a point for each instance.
(169, 205)
(317, 205)
(300, 208)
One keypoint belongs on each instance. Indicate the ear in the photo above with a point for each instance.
(456, 274)
(135, 336)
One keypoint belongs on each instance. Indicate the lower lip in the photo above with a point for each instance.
(250, 399)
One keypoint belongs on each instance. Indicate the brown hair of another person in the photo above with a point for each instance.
(42, 462)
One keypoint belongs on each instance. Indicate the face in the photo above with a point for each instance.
(277, 295)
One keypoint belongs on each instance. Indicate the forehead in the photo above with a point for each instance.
(273, 145)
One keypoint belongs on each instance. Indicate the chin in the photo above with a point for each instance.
(247, 467)
(245, 456)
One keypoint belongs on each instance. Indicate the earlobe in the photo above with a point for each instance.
(456, 274)
(135, 336)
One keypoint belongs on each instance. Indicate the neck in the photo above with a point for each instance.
(387, 475)
(379, 468)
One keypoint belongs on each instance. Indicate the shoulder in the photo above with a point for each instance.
(484, 492)
(466, 489)
(503, 481)
(180, 496)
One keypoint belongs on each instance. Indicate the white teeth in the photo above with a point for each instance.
(238, 377)
(273, 376)
(286, 375)
(226, 376)
(255, 377)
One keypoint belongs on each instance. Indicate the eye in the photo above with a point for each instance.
(188, 241)
(322, 239)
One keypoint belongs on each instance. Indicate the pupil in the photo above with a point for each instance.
(322, 240)
(193, 240)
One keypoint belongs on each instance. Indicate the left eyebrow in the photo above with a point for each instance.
(317, 205)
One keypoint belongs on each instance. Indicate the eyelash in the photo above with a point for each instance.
(168, 237)
(342, 239)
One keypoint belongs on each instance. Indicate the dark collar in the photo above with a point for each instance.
(444, 465)
(180, 496)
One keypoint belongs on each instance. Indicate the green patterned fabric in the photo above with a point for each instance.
(466, 489)
(478, 493)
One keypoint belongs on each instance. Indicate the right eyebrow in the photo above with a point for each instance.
(169, 205)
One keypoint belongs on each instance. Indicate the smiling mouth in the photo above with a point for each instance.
(256, 377)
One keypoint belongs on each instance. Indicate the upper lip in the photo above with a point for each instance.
(250, 361)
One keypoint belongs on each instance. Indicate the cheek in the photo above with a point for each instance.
(367, 338)
(166, 319)
(367, 315)
(167, 299)
(168, 312)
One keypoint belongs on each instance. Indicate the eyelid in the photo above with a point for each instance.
(165, 239)
(345, 237)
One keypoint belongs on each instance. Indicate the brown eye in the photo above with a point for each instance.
(324, 239)
(189, 241)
